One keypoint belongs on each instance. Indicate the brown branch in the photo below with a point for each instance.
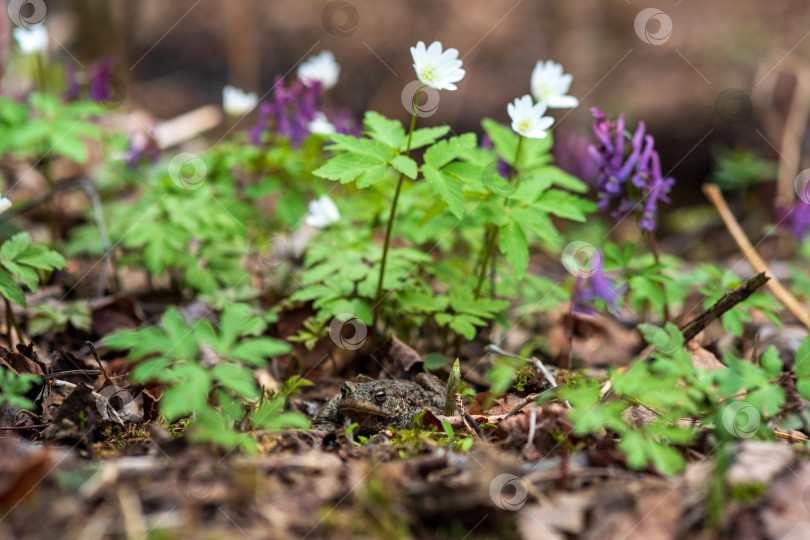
(728, 301)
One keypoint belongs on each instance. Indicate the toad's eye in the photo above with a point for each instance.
(380, 396)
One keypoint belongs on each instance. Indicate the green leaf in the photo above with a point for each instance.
(446, 187)
(564, 205)
(503, 139)
(405, 165)
(771, 362)
(559, 177)
(424, 136)
(443, 152)
(801, 364)
(384, 130)
(10, 290)
(188, 390)
(27, 275)
(538, 222)
(803, 387)
(15, 245)
(256, 351)
(71, 147)
(515, 247)
(435, 361)
(236, 378)
(366, 169)
(41, 257)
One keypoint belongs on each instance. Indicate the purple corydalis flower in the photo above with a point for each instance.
(142, 146)
(100, 78)
(639, 162)
(292, 110)
(596, 285)
(795, 219)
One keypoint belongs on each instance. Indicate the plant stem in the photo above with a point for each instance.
(40, 61)
(654, 249)
(11, 322)
(390, 225)
(489, 245)
(492, 231)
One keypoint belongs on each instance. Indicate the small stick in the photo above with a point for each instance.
(469, 422)
(778, 290)
(531, 398)
(72, 372)
(728, 301)
(23, 428)
(98, 360)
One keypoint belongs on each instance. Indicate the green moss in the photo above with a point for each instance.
(749, 492)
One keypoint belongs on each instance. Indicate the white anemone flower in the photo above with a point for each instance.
(550, 85)
(436, 68)
(320, 125)
(322, 212)
(321, 68)
(527, 118)
(5, 204)
(33, 40)
(237, 102)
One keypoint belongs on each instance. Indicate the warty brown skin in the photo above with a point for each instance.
(377, 405)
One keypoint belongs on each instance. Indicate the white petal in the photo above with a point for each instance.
(563, 102)
(435, 49)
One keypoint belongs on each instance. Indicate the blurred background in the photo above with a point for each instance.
(698, 73)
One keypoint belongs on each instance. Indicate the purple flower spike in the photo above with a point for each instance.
(293, 112)
(597, 285)
(100, 75)
(640, 163)
(795, 219)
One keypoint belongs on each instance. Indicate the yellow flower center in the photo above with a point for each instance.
(525, 125)
(429, 73)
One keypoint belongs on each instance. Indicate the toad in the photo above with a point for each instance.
(377, 405)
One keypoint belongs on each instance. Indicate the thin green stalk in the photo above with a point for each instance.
(41, 72)
(654, 249)
(389, 227)
(492, 230)
(11, 323)
(489, 246)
